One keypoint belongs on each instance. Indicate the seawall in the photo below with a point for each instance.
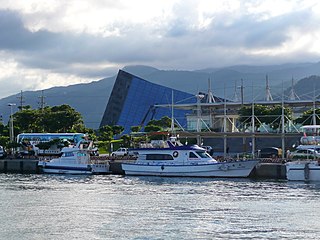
(24, 166)
(269, 171)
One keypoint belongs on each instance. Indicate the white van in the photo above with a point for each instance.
(120, 152)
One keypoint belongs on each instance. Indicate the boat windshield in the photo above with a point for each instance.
(203, 154)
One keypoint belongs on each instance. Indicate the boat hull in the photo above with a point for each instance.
(225, 169)
(303, 171)
(82, 169)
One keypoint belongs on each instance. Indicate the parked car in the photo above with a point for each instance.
(120, 152)
(304, 154)
(3, 153)
(270, 152)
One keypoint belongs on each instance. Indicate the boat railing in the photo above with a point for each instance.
(146, 145)
(153, 144)
(310, 140)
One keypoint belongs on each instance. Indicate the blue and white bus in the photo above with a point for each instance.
(28, 142)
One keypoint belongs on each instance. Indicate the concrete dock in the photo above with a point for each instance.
(24, 166)
(30, 166)
(269, 171)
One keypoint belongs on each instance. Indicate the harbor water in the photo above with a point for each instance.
(116, 207)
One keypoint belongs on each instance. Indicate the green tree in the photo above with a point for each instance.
(164, 122)
(152, 128)
(49, 119)
(105, 133)
(126, 140)
(26, 107)
(264, 114)
(275, 113)
(135, 128)
(307, 117)
(61, 119)
(3, 129)
(260, 113)
(26, 120)
(91, 133)
(4, 140)
(116, 129)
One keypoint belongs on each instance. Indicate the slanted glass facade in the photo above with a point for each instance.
(132, 99)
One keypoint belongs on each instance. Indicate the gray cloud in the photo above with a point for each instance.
(250, 32)
(180, 44)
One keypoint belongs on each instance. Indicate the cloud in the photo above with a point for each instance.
(87, 40)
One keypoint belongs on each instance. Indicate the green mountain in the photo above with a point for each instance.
(91, 99)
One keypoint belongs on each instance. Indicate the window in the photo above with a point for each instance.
(68, 154)
(159, 157)
(193, 155)
(80, 154)
(203, 154)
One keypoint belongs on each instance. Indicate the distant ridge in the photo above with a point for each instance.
(91, 99)
(306, 88)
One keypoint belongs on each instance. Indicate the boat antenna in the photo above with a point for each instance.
(293, 95)
(314, 119)
(210, 98)
(235, 95)
(172, 114)
(268, 91)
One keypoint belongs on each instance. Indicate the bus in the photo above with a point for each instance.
(29, 141)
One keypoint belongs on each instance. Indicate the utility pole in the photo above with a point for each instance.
(235, 95)
(241, 91)
(11, 132)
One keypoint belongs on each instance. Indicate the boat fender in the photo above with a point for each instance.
(306, 171)
(175, 154)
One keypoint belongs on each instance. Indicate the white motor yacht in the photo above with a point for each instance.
(171, 158)
(75, 160)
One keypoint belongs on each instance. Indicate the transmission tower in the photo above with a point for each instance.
(21, 100)
(42, 100)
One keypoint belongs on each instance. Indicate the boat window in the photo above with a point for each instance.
(81, 154)
(159, 157)
(202, 154)
(68, 154)
(193, 155)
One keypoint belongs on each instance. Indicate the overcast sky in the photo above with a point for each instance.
(45, 43)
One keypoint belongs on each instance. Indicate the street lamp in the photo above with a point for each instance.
(11, 124)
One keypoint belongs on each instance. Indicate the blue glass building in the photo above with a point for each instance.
(132, 99)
